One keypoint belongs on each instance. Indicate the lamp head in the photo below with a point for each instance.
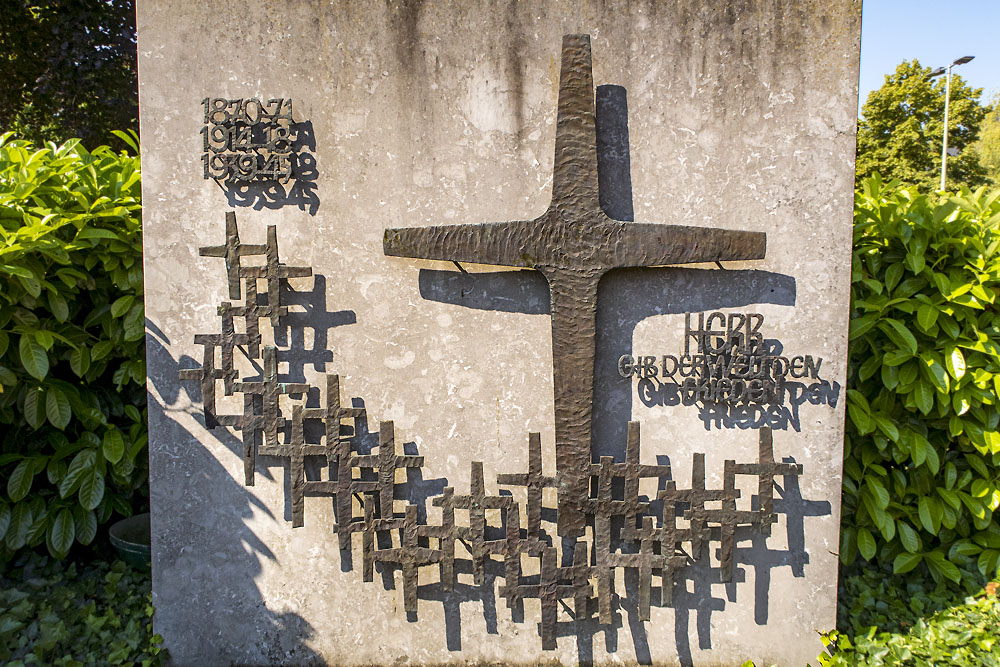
(963, 60)
(938, 72)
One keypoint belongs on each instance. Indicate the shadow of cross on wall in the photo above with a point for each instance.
(573, 244)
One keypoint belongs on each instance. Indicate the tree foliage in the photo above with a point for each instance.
(988, 145)
(902, 125)
(68, 69)
(922, 453)
(72, 370)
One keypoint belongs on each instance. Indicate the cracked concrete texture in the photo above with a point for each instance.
(741, 116)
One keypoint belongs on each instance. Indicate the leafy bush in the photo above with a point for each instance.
(72, 370)
(902, 620)
(95, 614)
(922, 454)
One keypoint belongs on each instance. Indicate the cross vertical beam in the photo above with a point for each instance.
(573, 244)
(574, 174)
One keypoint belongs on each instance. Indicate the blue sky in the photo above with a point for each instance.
(935, 32)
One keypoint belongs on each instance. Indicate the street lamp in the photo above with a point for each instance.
(947, 97)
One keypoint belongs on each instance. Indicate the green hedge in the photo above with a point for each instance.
(97, 613)
(72, 369)
(905, 619)
(922, 453)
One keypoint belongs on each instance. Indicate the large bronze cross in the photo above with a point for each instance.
(573, 244)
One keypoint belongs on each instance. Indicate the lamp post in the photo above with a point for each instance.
(947, 97)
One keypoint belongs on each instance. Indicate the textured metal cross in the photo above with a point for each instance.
(573, 244)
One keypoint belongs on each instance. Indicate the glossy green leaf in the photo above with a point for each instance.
(19, 482)
(933, 460)
(79, 361)
(34, 358)
(897, 357)
(890, 375)
(900, 335)
(908, 537)
(848, 545)
(954, 360)
(114, 445)
(101, 350)
(924, 512)
(963, 548)
(91, 489)
(926, 316)
(866, 544)
(893, 276)
(914, 262)
(20, 522)
(861, 418)
(85, 522)
(935, 372)
(905, 562)
(923, 395)
(121, 305)
(62, 532)
(57, 407)
(887, 427)
(34, 407)
(950, 475)
(949, 326)
(942, 283)
(80, 466)
(45, 339)
(861, 325)
(878, 491)
(988, 562)
(96, 233)
(918, 451)
(937, 562)
(58, 306)
(30, 285)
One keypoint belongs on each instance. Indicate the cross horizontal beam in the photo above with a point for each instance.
(573, 244)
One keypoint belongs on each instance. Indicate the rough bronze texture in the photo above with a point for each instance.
(627, 533)
(573, 244)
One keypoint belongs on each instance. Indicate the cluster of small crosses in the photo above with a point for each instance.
(625, 532)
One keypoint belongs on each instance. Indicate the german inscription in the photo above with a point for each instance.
(725, 359)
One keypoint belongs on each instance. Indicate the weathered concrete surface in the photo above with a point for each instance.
(741, 116)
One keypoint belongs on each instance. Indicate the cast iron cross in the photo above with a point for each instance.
(573, 244)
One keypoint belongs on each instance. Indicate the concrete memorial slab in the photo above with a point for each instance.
(455, 356)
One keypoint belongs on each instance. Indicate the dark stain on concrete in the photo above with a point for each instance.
(515, 65)
(404, 20)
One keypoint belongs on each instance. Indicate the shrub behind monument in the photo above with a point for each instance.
(72, 369)
(922, 456)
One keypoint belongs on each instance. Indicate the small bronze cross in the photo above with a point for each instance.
(573, 244)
